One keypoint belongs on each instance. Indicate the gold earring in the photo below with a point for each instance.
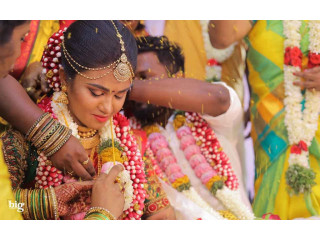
(63, 98)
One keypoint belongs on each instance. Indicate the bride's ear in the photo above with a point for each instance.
(63, 76)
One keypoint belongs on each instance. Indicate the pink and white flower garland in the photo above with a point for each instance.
(169, 167)
(301, 126)
(211, 149)
(208, 176)
(167, 161)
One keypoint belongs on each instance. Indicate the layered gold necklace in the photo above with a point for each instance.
(89, 138)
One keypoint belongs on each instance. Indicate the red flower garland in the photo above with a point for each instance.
(134, 165)
(293, 56)
(51, 60)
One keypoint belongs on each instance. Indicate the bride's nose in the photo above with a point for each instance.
(105, 106)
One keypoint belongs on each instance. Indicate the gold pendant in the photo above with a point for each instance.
(122, 71)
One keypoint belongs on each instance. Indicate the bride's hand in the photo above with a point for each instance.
(73, 198)
(106, 193)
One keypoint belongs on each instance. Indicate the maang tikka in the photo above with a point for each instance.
(122, 69)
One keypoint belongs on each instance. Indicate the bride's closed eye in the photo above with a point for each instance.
(120, 95)
(96, 93)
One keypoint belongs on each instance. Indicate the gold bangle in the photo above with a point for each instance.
(42, 131)
(36, 125)
(46, 199)
(50, 205)
(26, 210)
(96, 216)
(101, 210)
(65, 139)
(43, 136)
(55, 205)
(41, 204)
(52, 145)
(51, 137)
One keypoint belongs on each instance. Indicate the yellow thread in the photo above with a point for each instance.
(114, 157)
(65, 119)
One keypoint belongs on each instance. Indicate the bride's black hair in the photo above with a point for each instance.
(94, 43)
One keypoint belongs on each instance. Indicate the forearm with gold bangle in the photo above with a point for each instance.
(48, 135)
(38, 203)
(99, 213)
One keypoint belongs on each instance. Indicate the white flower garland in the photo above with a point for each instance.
(232, 201)
(63, 114)
(300, 125)
(125, 179)
(220, 55)
(196, 198)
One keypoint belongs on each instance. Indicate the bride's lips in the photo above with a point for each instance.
(101, 118)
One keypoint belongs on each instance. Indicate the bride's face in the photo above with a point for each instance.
(93, 102)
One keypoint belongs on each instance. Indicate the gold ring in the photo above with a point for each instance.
(85, 162)
(117, 180)
(30, 89)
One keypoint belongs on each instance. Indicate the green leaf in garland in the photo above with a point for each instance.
(185, 186)
(216, 186)
(107, 144)
(300, 179)
(179, 112)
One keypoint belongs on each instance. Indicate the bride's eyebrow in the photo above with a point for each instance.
(99, 86)
(106, 89)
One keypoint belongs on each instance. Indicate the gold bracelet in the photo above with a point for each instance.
(36, 125)
(52, 145)
(50, 205)
(41, 204)
(101, 210)
(57, 148)
(26, 208)
(46, 199)
(42, 132)
(51, 137)
(55, 205)
(96, 216)
(43, 136)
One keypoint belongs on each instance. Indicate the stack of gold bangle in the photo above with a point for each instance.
(39, 204)
(98, 213)
(48, 135)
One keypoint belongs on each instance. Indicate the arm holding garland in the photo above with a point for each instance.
(185, 94)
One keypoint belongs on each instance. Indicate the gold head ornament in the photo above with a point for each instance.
(121, 68)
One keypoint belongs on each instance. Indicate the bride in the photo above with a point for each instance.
(90, 67)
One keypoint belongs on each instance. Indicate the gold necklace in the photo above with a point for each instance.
(86, 132)
(91, 142)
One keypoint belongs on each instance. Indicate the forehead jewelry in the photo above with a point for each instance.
(121, 68)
